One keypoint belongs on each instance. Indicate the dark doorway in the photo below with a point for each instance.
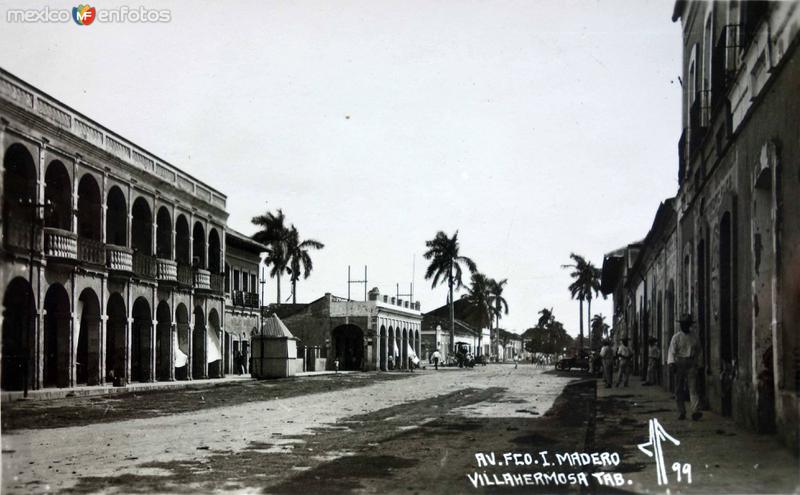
(141, 344)
(56, 337)
(164, 344)
(728, 337)
(382, 348)
(199, 365)
(116, 326)
(19, 324)
(87, 359)
(348, 343)
(182, 360)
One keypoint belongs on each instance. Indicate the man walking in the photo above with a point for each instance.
(624, 353)
(607, 355)
(436, 357)
(683, 358)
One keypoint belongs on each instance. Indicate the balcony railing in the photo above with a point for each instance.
(246, 299)
(185, 275)
(119, 258)
(61, 244)
(217, 282)
(699, 118)
(202, 279)
(144, 265)
(91, 251)
(167, 270)
(18, 233)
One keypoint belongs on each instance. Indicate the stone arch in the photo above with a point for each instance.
(164, 342)
(382, 353)
(89, 208)
(116, 330)
(404, 350)
(164, 234)
(141, 227)
(183, 242)
(116, 217)
(183, 326)
(214, 344)
(88, 358)
(348, 346)
(58, 195)
(214, 251)
(199, 245)
(199, 364)
(141, 341)
(56, 348)
(19, 183)
(19, 335)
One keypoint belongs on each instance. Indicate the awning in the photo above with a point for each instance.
(181, 359)
(213, 352)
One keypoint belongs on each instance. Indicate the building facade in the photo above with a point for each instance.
(377, 334)
(436, 332)
(242, 301)
(727, 248)
(111, 257)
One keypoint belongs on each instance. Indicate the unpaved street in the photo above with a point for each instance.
(419, 431)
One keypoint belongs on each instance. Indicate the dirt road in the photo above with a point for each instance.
(419, 432)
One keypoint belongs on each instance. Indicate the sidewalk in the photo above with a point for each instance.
(724, 457)
(90, 391)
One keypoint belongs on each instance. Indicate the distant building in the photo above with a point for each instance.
(242, 306)
(378, 334)
(727, 248)
(436, 331)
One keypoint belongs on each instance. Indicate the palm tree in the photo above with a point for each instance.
(499, 304)
(446, 264)
(546, 318)
(599, 330)
(479, 303)
(581, 287)
(593, 284)
(275, 235)
(299, 260)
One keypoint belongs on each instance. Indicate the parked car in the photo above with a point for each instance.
(581, 362)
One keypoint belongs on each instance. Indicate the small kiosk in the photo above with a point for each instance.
(274, 351)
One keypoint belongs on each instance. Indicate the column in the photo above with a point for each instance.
(129, 226)
(173, 337)
(101, 368)
(190, 342)
(103, 208)
(126, 355)
(151, 356)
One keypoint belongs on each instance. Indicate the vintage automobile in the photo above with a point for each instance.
(567, 363)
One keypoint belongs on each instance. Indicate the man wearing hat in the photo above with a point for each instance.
(683, 358)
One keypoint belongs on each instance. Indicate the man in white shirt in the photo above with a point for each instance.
(683, 357)
(436, 357)
(624, 353)
(607, 355)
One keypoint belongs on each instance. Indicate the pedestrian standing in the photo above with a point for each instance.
(653, 362)
(624, 354)
(245, 361)
(237, 361)
(683, 359)
(436, 357)
(516, 361)
(607, 355)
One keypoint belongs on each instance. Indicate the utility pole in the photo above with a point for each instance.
(350, 281)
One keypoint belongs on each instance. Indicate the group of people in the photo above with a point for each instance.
(240, 362)
(683, 359)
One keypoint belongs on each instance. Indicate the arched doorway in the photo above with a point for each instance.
(164, 234)
(58, 193)
(141, 341)
(199, 365)
(89, 208)
(182, 241)
(214, 252)
(214, 345)
(116, 218)
(164, 342)
(116, 329)
(391, 350)
(348, 345)
(404, 350)
(142, 227)
(56, 347)
(19, 331)
(88, 359)
(382, 349)
(418, 348)
(182, 352)
(199, 246)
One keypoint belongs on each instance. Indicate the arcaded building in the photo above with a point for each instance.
(727, 248)
(377, 334)
(111, 257)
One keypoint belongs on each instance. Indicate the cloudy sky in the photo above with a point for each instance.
(535, 128)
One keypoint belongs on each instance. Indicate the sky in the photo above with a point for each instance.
(534, 128)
